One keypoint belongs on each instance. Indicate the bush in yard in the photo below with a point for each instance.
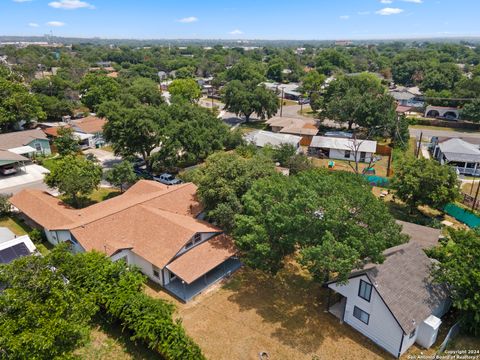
(5, 206)
(37, 236)
(117, 290)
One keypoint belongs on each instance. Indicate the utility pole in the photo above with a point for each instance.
(281, 104)
(419, 145)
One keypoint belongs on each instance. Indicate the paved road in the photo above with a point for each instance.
(427, 133)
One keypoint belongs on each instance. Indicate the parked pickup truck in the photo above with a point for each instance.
(167, 179)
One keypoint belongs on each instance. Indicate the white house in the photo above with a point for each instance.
(151, 225)
(462, 155)
(343, 148)
(261, 138)
(395, 304)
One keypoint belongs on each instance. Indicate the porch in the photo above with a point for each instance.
(339, 303)
(185, 292)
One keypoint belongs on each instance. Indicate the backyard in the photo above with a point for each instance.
(283, 315)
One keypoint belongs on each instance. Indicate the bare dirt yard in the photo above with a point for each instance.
(283, 315)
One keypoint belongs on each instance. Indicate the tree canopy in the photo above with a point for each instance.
(185, 89)
(121, 174)
(459, 269)
(332, 218)
(361, 100)
(74, 176)
(66, 142)
(42, 316)
(425, 182)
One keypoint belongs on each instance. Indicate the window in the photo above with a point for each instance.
(188, 244)
(365, 290)
(156, 271)
(412, 334)
(197, 238)
(38, 146)
(361, 315)
(347, 154)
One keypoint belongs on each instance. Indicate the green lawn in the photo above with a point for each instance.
(19, 228)
(253, 125)
(428, 127)
(99, 195)
(49, 163)
(107, 341)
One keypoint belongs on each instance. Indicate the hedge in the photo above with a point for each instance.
(117, 289)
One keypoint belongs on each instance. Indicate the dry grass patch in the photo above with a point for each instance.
(283, 315)
(380, 166)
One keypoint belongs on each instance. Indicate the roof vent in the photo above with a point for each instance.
(375, 283)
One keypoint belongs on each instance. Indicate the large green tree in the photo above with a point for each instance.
(425, 182)
(459, 269)
(17, 104)
(185, 89)
(331, 220)
(224, 179)
(66, 142)
(96, 89)
(471, 111)
(137, 130)
(359, 99)
(42, 316)
(244, 98)
(121, 174)
(74, 176)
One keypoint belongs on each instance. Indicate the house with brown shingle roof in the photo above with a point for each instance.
(396, 303)
(21, 146)
(153, 226)
(90, 131)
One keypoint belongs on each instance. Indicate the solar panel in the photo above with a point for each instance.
(14, 252)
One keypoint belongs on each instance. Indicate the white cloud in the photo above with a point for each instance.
(386, 1)
(70, 4)
(55, 23)
(389, 11)
(345, 17)
(236, 32)
(189, 19)
(32, 24)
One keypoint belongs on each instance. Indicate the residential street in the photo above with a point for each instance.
(427, 133)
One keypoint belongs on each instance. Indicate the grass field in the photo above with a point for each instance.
(428, 127)
(283, 315)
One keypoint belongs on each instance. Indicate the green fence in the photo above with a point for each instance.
(463, 215)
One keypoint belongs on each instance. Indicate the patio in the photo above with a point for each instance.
(185, 292)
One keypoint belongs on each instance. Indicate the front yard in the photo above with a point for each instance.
(283, 315)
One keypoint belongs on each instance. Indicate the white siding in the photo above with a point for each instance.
(55, 237)
(382, 328)
(203, 238)
(340, 155)
(145, 267)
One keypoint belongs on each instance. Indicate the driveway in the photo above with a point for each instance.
(106, 158)
(29, 176)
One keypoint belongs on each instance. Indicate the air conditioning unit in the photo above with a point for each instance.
(428, 331)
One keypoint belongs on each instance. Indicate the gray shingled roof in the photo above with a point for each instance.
(458, 150)
(404, 283)
(20, 138)
(424, 235)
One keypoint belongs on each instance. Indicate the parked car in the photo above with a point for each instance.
(8, 170)
(167, 179)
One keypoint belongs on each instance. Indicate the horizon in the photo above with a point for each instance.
(307, 20)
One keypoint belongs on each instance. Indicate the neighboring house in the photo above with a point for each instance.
(262, 138)
(13, 247)
(408, 96)
(19, 147)
(449, 113)
(395, 304)
(90, 131)
(307, 129)
(151, 225)
(462, 155)
(343, 148)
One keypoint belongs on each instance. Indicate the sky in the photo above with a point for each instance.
(241, 19)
